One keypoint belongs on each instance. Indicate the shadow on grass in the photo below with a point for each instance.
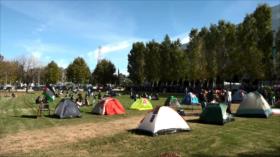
(194, 121)
(200, 122)
(28, 116)
(35, 116)
(271, 153)
(192, 114)
(140, 132)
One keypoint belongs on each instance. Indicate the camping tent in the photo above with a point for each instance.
(215, 114)
(142, 104)
(190, 99)
(254, 105)
(237, 96)
(108, 106)
(67, 109)
(163, 120)
(172, 101)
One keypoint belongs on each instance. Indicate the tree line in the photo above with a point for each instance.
(220, 52)
(26, 69)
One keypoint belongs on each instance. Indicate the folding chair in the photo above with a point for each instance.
(43, 107)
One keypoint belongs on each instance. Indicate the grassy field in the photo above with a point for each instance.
(243, 137)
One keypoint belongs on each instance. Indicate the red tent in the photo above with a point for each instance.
(108, 106)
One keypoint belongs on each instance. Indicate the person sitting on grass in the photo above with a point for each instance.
(79, 100)
(86, 103)
(38, 100)
(43, 104)
(13, 95)
(99, 95)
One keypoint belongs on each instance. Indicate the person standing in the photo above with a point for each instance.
(228, 100)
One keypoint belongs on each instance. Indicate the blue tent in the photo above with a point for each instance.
(190, 99)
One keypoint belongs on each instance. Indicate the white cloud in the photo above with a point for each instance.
(62, 63)
(38, 47)
(113, 47)
(124, 71)
(36, 54)
(184, 38)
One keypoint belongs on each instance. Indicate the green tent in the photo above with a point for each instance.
(215, 114)
(142, 104)
(172, 101)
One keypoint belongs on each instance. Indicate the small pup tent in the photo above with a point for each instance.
(163, 120)
(172, 101)
(67, 109)
(190, 99)
(142, 104)
(254, 105)
(215, 114)
(238, 96)
(108, 106)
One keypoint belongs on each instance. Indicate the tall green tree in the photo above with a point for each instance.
(52, 73)
(152, 61)
(177, 58)
(8, 72)
(196, 54)
(251, 57)
(165, 60)
(277, 46)
(104, 72)
(264, 39)
(211, 53)
(136, 62)
(78, 71)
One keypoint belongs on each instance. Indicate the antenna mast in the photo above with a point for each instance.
(99, 54)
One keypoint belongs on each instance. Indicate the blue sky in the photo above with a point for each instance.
(61, 30)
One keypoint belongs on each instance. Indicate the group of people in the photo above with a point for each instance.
(151, 96)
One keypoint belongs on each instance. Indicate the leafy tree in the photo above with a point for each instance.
(211, 53)
(277, 46)
(177, 58)
(152, 61)
(136, 62)
(196, 55)
(165, 60)
(277, 40)
(250, 56)
(78, 71)
(264, 38)
(104, 72)
(8, 71)
(1, 58)
(52, 73)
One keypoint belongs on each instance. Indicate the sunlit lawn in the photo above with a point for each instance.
(243, 137)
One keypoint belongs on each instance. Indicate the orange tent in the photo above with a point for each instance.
(108, 106)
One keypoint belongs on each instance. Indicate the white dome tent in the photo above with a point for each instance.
(163, 120)
(254, 105)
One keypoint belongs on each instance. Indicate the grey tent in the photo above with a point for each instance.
(254, 105)
(67, 109)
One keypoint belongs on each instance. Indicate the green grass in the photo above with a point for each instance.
(18, 114)
(244, 137)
